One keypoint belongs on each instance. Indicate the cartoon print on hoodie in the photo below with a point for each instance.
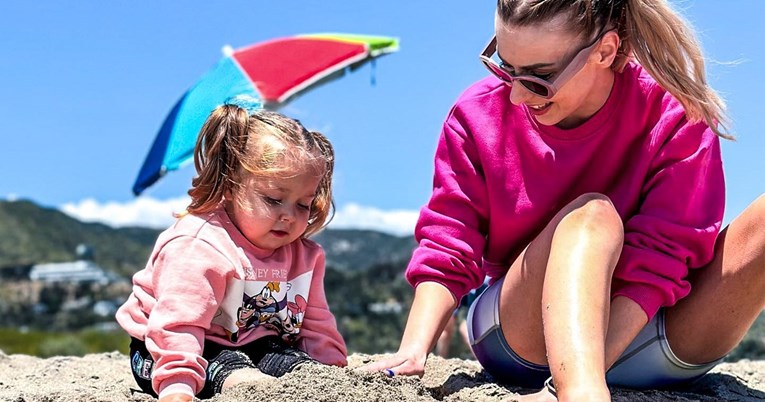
(276, 306)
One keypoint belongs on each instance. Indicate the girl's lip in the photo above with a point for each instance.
(279, 233)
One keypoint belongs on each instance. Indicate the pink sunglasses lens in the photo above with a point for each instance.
(536, 88)
(498, 72)
(503, 75)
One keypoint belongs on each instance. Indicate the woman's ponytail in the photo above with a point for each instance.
(666, 46)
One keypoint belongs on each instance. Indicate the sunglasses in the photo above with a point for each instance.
(544, 88)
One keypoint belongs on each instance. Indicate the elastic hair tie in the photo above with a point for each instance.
(249, 103)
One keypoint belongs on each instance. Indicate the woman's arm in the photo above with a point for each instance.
(451, 236)
(626, 320)
(678, 219)
(433, 304)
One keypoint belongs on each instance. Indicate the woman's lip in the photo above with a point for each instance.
(538, 112)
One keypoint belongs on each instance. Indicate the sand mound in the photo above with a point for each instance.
(106, 377)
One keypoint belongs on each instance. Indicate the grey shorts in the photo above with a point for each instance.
(647, 363)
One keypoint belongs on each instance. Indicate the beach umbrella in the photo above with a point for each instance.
(275, 71)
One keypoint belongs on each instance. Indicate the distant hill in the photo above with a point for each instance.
(353, 250)
(30, 233)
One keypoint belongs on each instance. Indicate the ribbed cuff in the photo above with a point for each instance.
(176, 388)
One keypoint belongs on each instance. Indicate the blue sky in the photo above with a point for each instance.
(86, 85)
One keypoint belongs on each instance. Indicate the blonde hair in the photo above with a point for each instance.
(235, 142)
(651, 32)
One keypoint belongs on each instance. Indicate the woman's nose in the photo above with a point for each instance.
(519, 94)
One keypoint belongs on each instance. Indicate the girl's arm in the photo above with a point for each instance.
(189, 281)
(319, 335)
(176, 398)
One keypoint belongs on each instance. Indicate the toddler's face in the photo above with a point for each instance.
(274, 212)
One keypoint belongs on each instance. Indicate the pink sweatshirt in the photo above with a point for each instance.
(500, 177)
(205, 280)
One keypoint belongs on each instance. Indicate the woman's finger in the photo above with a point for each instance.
(383, 364)
(403, 367)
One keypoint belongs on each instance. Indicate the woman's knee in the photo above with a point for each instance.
(596, 214)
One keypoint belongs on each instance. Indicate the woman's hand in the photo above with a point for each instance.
(400, 363)
(176, 398)
(432, 306)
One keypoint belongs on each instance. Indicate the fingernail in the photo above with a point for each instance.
(389, 372)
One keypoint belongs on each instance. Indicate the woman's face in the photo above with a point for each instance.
(543, 50)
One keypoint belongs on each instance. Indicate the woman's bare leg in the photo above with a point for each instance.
(726, 296)
(444, 342)
(555, 298)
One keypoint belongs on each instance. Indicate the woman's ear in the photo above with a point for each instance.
(608, 48)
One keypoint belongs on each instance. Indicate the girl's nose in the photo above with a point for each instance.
(287, 214)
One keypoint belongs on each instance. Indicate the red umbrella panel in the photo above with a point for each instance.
(274, 71)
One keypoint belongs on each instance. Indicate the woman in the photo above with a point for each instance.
(585, 179)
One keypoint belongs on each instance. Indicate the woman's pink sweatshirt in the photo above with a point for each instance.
(500, 177)
(206, 281)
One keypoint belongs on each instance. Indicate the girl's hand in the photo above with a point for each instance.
(401, 363)
(176, 398)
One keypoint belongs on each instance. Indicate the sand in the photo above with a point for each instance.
(105, 377)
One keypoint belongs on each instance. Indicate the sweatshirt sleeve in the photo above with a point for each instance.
(319, 335)
(677, 223)
(189, 278)
(451, 228)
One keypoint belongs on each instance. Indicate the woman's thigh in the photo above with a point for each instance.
(648, 362)
(726, 296)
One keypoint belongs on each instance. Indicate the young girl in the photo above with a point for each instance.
(233, 291)
(584, 177)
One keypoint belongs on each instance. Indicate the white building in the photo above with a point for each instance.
(387, 307)
(72, 272)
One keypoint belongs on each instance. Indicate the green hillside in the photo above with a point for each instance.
(353, 250)
(32, 234)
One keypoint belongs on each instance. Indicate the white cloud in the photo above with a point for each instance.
(150, 212)
(142, 211)
(353, 216)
